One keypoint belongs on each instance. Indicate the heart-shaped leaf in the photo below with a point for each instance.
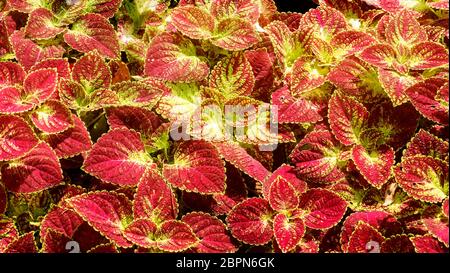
(375, 165)
(16, 137)
(194, 22)
(52, 117)
(288, 232)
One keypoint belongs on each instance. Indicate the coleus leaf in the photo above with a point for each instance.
(107, 8)
(11, 74)
(171, 236)
(357, 78)
(350, 42)
(93, 31)
(305, 77)
(76, 97)
(173, 58)
(323, 209)
(436, 223)
(316, 157)
(288, 232)
(194, 22)
(54, 242)
(397, 244)
(29, 53)
(104, 248)
(234, 34)
(38, 86)
(108, 212)
(62, 220)
(379, 220)
(37, 170)
(288, 174)
(426, 144)
(92, 72)
(374, 164)
(8, 233)
(61, 65)
(283, 42)
(445, 207)
(16, 137)
(212, 233)
(326, 22)
(282, 195)
(422, 96)
(404, 29)
(423, 178)
(197, 167)
(42, 25)
(247, 9)
(379, 55)
(23, 244)
(347, 118)
(154, 199)
(294, 110)
(72, 141)
(122, 164)
(139, 94)
(180, 102)
(249, 221)
(239, 157)
(233, 76)
(5, 46)
(362, 238)
(139, 119)
(427, 244)
(52, 117)
(395, 85)
(428, 55)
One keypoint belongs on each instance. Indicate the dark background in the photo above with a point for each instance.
(301, 6)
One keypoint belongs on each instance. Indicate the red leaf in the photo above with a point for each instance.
(92, 72)
(23, 244)
(363, 238)
(350, 42)
(247, 9)
(54, 242)
(61, 66)
(427, 244)
(11, 74)
(316, 157)
(8, 233)
(379, 220)
(428, 55)
(294, 110)
(154, 199)
(347, 118)
(326, 22)
(212, 233)
(28, 53)
(142, 232)
(239, 157)
(403, 28)
(176, 236)
(305, 77)
(122, 164)
(103, 248)
(397, 244)
(42, 25)
(197, 167)
(233, 76)
(422, 96)
(71, 142)
(16, 137)
(140, 94)
(235, 34)
(139, 119)
(436, 224)
(445, 207)
(40, 84)
(379, 55)
(93, 31)
(288, 232)
(52, 117)
(108, 212)
(323, 208)
(194, 22)
(282, 195)
(171, 57)
(36, 171)
(62, 220)
(107, 8)
(426, 144)
(423, 178)
(249, 221)
(287, 173)
(375, 165)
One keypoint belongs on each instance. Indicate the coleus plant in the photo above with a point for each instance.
(116, 132)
